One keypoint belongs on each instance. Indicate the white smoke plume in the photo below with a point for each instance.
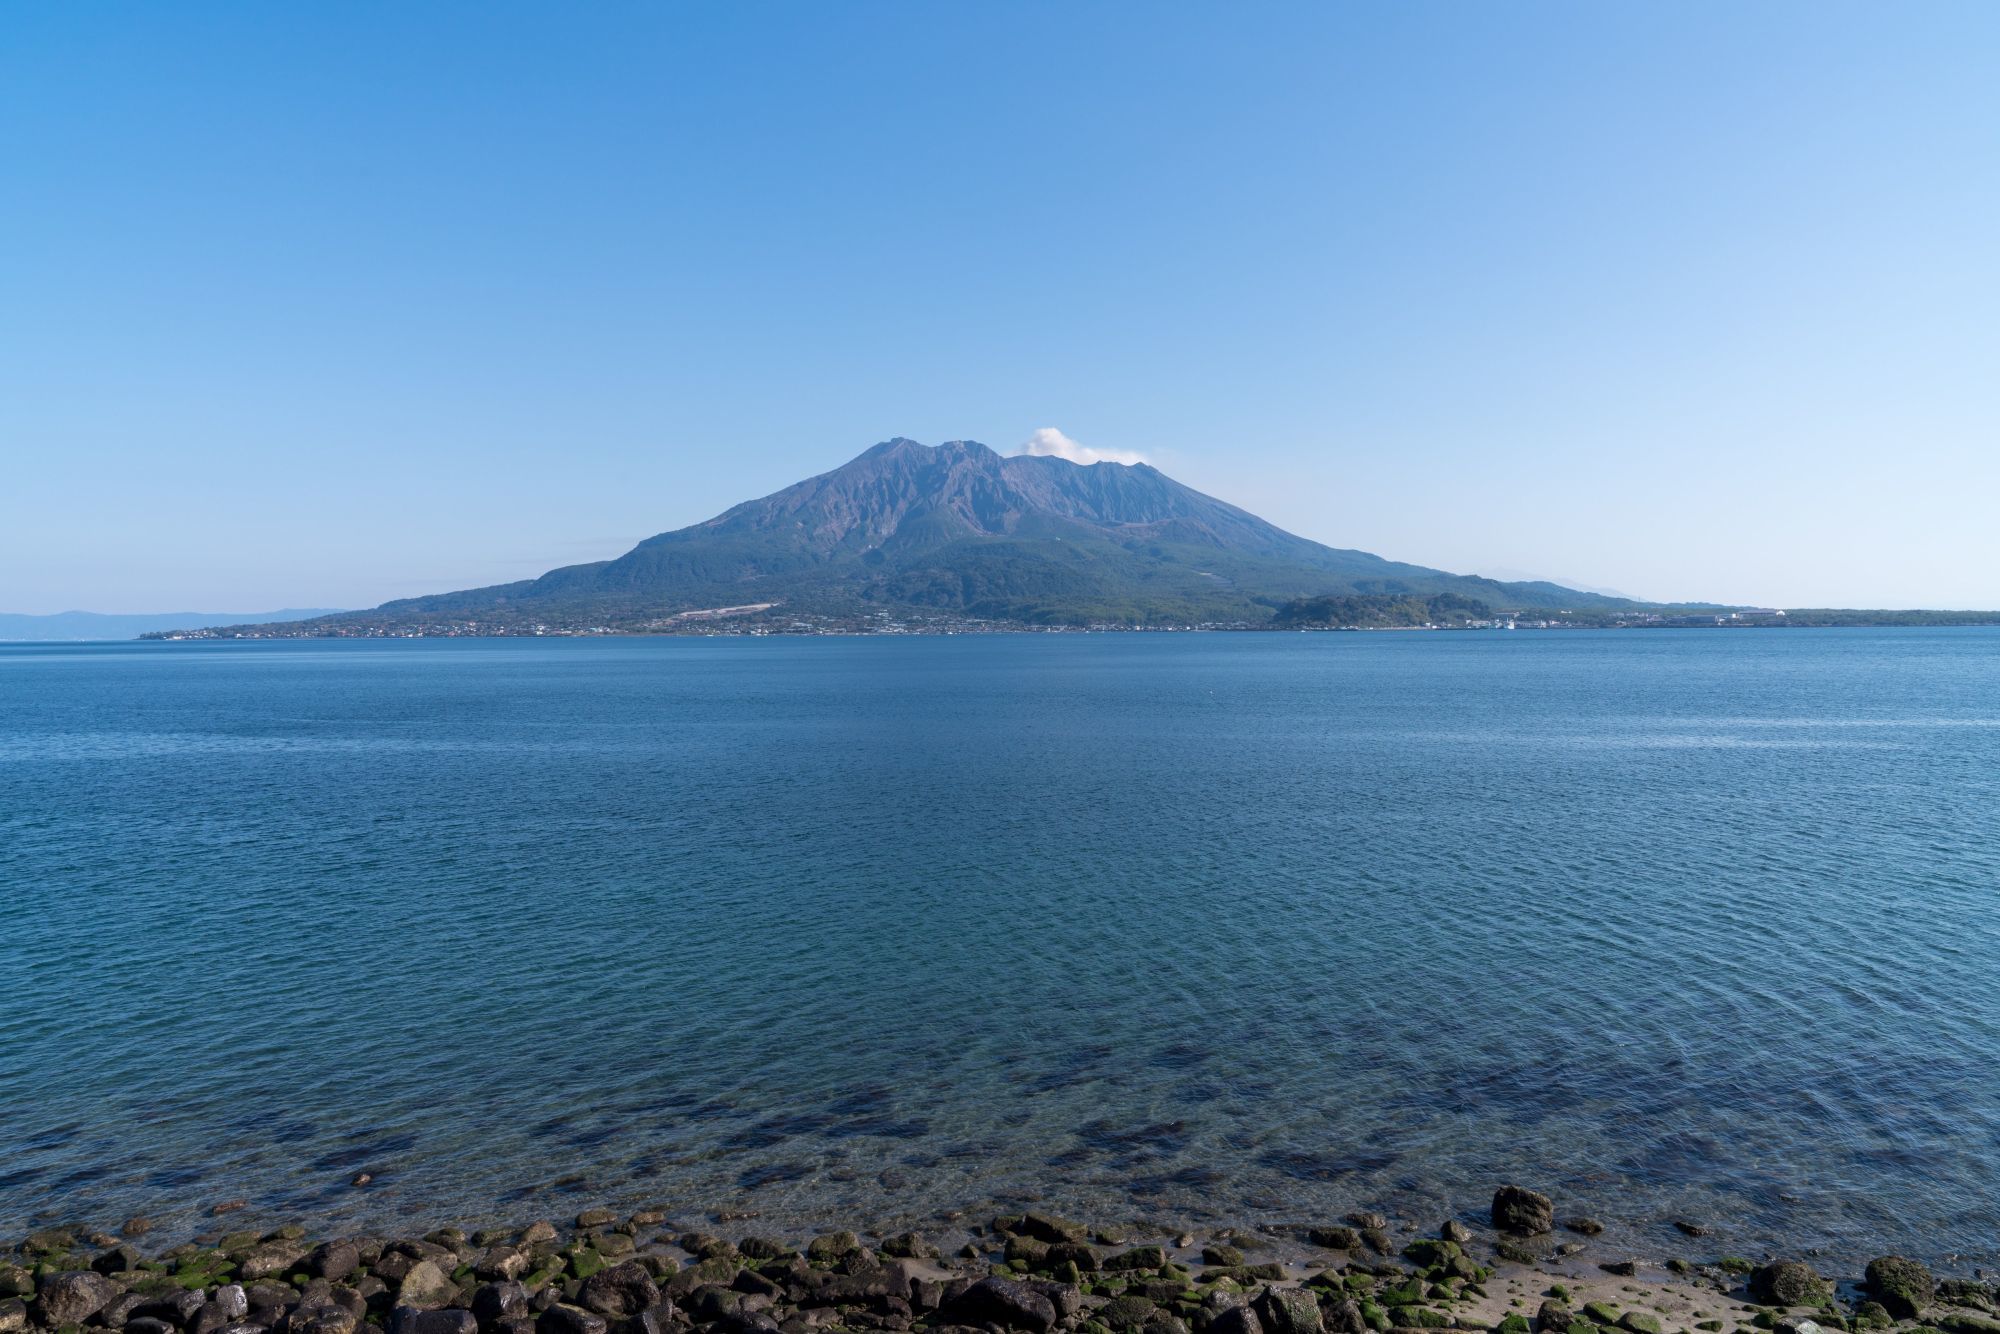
(1054, 444)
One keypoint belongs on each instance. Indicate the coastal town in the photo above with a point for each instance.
(771, 619)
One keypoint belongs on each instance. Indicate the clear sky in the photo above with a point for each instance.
(326, 304)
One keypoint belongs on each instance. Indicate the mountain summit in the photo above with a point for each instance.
(958, 528)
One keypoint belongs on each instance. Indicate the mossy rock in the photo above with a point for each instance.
(1903, 1286)
(1374, 1316)
(588, 1262)
(542, 1277)
(1431, 1252)
(1401, 1294)
(1710, 1326)
(1788, 1283)
(1639, 1322)
(833, 1245)
(1969, 1322)
(1515, 1323)
(1602, 1313)
(1518, 1252)
(1027, 1251)
(1873, 1315)
(1735, 1264)
(1420, 1317)
(1127, 1312)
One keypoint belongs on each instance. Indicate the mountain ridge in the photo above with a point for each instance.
(960, 530)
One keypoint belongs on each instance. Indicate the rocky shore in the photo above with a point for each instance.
(1522, 1271)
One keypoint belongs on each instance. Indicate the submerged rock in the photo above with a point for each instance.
(1523, 1212)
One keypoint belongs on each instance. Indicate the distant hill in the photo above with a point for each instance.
(959, 530)
(71, 625)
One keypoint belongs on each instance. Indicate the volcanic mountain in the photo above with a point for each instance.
(959, 528)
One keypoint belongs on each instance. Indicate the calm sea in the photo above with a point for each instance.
(1696, 925)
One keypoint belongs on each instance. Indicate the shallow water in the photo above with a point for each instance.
(1251, 928)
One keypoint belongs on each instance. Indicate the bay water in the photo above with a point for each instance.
(1252, 928)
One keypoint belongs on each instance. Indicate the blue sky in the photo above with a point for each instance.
(323, 305)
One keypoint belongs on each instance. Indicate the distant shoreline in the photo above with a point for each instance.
(711, 629)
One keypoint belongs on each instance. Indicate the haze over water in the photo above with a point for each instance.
(1691, 925)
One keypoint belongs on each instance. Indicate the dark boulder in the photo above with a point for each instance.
(121, 1308)
(1786, 1283)
(620, 1291)
(1903, 1286)
(906, 1246)
(271, 1258)
(498, 1263)
(211, 1317)
(1067, 1298)
(494, 1302)
(231, 1301)
(323, 1318)
(1523, 1212)
(145, 1324)
(1333, 1238)
(1288, 1311)
(176, 1308)
(118, 1259)
(1964, 1292)
(1238, 1319)
(1139, 1257)
(72, 1297)
(1126, 1312)
(1342, 1315)
(332, 1260)
(562, 1318)
(1003, 1302)
(409, 1320)
(1049, 1228)
(661, 1319)
(831, 1247)
(426, 1286)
